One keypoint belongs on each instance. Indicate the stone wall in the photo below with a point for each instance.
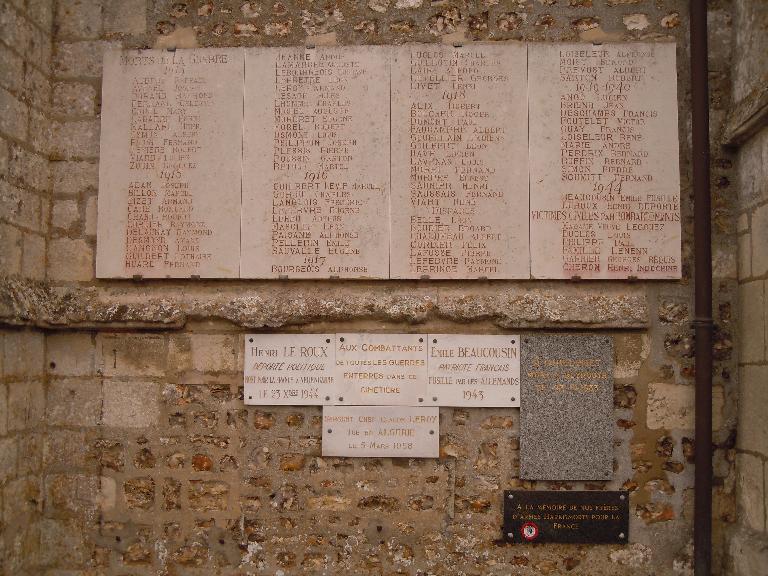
(152, 463)
(25, 97)
(749, 547)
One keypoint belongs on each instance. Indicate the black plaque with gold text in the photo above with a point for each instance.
(560, 516)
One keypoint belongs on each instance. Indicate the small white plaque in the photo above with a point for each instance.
(381, 431)
(605, 181)
(474, 370)
(288, 369)
(170, 164)
(381, 369)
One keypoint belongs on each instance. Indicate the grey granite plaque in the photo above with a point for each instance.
(316, 163)
(381, 431)
(170, 164)
(288, 369)
(566, 421)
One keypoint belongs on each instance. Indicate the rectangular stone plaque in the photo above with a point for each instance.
(566, 425)
(459, 162)
(170, 164)
(564, 516)
(381, 369)
(316, 163)
(473, 370)
(605, 182)
(381, 431)
(288, 369)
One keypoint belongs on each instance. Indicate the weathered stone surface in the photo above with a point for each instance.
(25, 303)
(566, 417)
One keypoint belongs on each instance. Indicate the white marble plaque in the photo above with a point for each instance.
(459, 162)
(381, 369)
(381, 431)
(288, 369)
(605, 183)
(473, 370)
(170, 164)
(316, 163)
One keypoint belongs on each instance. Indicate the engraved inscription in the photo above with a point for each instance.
(460, 182)
(381, 369)
(169, 140)
(316, 174)
(381, 431)
(605, 185)
(288, 369)
(474, 370)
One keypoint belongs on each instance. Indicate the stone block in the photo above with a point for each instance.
(40, 131)
(208, 495)
(65, 215)
(74, 177)
(91, 207)
(8, 458)
(71, 494)
(74, 402)
(24, 354)
(745, 255)
(753, 432)
(10, 249)
(62, 542)
(749, 553)
(31, 453)
(78, 19)
(22, 497)
(33, 256)
(11, 70)
(83, 59)
(752, 322)
(751, 491)
(65, 450)
(20, 206)
(131, 355)
(139, 493)
(213, 353)
(26, 404)
(70, 354)
(13, 115)
(131, 404)
(3, 409)
(41, 12)
(75, 139)
(760, 241)
(36, 88)
(125, 16)
(74, 99)
(70, 260)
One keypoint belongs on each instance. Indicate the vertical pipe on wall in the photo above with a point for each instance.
(702, 530)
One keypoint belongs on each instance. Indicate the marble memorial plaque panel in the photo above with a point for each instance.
(566, 424)
(566, 516)
(473, 370)
(381, 369)
(170, 164)
(605, 182)
(288, 369)
(459, 162)
(316, 163)
(381, 431)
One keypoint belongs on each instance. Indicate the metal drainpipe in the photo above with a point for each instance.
(702, 529)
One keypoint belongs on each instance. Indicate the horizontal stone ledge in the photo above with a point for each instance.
(746, 118)
(260, 305)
